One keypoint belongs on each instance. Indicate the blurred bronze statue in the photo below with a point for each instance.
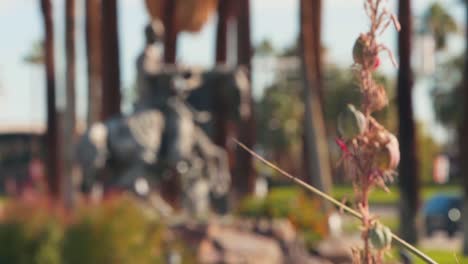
(169, 131)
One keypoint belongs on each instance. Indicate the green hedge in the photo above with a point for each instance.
(379, 196)
(115, 232)
(29, 235)
(291, 203)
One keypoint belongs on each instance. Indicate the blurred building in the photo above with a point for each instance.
(22, 151)
(18, 145)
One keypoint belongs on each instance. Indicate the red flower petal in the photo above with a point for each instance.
(342, 145)
(377, 62)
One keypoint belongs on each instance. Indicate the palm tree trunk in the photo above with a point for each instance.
(408, 173)
(53, 164)
(463, 140)
(70, 119)
(171, 187)
(110, 60)
(224, 7)
(170, 36)
(316, 158)
(220, 119)
(244, 177)
(93, 48)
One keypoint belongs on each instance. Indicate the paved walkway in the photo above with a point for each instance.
(441, 241)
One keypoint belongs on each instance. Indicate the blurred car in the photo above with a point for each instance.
(443, 212)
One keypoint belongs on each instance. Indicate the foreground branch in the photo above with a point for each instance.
(327, 197)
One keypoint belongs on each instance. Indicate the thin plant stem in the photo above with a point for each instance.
(334, 201)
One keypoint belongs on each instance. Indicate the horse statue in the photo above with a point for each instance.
(171, 128)
(169, 131)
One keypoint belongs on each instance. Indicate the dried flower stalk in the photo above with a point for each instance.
(370, 152)
(342, 206)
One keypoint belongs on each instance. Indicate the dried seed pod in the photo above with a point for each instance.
(387, 156)
(377, 98)
(360, 51)
(382, 136)
(351, 123)
(382, 159)
(365, 140)
(394, 148)
(380, 236)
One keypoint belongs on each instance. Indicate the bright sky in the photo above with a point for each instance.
(22, 93)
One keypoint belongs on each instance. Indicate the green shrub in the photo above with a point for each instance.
(253, 207)
(29, 234)
(291, 203)
(117, 232)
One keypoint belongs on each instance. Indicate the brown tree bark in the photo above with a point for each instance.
(94, 56)
(315, 155)
(171, 188)
(463, 140)
(170, 36)
(244, 176)
(53, 163)
(70, 109)
(110, 61)
(224, 10)
(409, 182)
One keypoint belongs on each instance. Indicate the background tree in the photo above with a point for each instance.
(170, 33)
(439, 23)
(409, 183)
(36, 55)
(447, 95)
(94, 56)
(69, 120)
(111, 96)
(464, 141)
(427, 150)
(265, 48)
(223, 127)
(53, 164)
(279, 126)
(225, 11)
(244, 176)
(316, 159)
(446, 78)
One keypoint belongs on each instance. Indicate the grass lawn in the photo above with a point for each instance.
(444, 257)
(440, 256)
(379, 196)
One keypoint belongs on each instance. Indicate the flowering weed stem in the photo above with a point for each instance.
(334, 201)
